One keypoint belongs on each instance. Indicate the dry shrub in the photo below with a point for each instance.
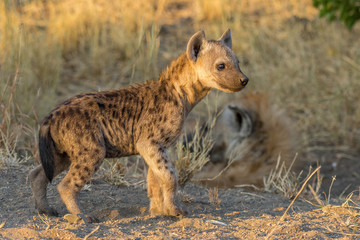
(282, 180)
(63, 47)
(214, 196)
(127, 171)
(193, 155)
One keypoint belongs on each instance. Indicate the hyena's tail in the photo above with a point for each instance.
(46, 150)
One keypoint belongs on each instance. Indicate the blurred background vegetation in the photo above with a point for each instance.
(51, 50)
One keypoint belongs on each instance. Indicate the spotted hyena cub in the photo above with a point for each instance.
(251, 133)
(143, 119)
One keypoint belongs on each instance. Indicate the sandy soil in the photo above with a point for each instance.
(236, 213)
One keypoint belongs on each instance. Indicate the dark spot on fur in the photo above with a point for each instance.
(77, 166)
(67, 125)
(165, 118)
(101, 105)
(81, 134)
(115, 114)
(151, 135)
(158, 161)
(90, 104)
(82, 178)
(111, 94)
(152, 110)
(77, 185)
(70, 111)
(86, 169)
(46, 122)
(87, 116)
(72, 174)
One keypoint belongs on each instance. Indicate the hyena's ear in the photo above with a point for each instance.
(226, 38)
(243, 121)
(194, 45)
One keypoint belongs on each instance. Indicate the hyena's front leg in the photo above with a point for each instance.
(154, 193)
(162, 182)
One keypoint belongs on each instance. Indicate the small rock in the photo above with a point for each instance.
(74, 218)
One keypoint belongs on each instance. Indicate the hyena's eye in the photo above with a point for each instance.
(220, 66)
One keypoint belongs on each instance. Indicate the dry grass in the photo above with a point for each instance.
(128, 171)
(214, 196)
(190, 156)
(308, 66)
(283, 180)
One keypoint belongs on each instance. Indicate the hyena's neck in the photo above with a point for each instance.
(183, 79)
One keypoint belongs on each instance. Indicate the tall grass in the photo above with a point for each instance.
(307, 66)
(51, 50)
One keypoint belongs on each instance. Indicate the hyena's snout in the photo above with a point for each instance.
(244, 79)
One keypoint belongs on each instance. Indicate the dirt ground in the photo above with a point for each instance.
(235, 214)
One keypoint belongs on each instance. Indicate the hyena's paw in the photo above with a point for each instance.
(48, 211)
(80, 218)
(92, 219)
(168, 211)
(175, 211)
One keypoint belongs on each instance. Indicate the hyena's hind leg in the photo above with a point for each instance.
(39, 182)
(80, 172)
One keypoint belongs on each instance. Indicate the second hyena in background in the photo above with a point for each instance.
(251, 133)
(143, 119)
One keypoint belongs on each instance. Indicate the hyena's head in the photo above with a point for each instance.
(215, 62)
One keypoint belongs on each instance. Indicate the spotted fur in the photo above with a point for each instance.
(142, 119)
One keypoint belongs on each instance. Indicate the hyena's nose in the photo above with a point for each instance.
(244, 80)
